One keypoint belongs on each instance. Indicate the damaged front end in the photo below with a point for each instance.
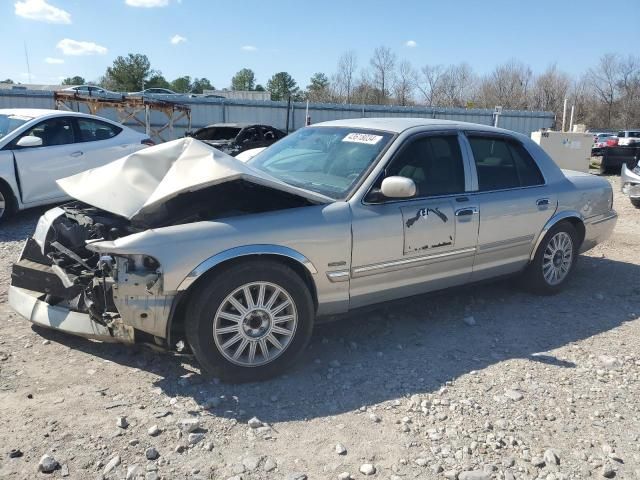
(630, 182)
(60, 283)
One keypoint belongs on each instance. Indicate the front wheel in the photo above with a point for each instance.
(554, 261)
(7, 202)
(250, 321)
(635, 202)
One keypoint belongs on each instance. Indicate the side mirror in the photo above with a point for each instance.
(29, 141)
(398, 187)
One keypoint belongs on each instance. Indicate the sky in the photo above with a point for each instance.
(215, 39)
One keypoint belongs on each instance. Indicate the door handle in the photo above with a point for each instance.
(465, 212)
(77, 154)
(542, 202)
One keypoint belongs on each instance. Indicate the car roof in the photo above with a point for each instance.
(398, 124)
(37, 112)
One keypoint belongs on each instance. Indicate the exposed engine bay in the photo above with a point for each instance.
(123, 293)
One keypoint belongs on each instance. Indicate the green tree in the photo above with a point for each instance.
(281, 85)
(201, 84)
(245, 79)
(129, 73)
(318, 88)
(8, 80)
(259, 88)
(182, 84)
(77, 80)
(157, 80)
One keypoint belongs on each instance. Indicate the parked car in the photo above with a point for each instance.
(630, 180)
(181, 242)
(628, 137)
(37, 147)
(93, 91)
(159, 92)
(600, 143)
(234, 138)
(614, 157)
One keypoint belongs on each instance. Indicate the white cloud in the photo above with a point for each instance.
(249, 48)
(176, 39)
(76, 48)
(147, 3)
(41, 11)
(411, 44)
(54, 61)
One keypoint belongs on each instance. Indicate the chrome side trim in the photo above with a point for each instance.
(243, 251)
(511, 242)
(550, 223)
(376, 268)
(605, 218)
(338, 276)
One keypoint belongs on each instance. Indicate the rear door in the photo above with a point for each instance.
(515, 203)
(102, 142)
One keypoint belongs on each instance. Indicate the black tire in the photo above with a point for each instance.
(635, 202)
(534, 278)
(11, 206)
(604, 169)
(210, 297)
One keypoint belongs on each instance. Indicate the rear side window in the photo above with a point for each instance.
(503, 164)
(634, 134)
(91, 130)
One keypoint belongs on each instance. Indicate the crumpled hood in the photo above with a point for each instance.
(142, 180)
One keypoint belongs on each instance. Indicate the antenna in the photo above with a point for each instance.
(26, 56)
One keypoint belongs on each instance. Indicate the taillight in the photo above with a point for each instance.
(148, 142)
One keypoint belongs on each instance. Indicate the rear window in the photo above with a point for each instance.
(503, 164)
(93, 130)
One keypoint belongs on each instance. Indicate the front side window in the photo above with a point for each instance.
(503, 164)
(93, 130)
(325, 160)
(434, 163)
(55, 131)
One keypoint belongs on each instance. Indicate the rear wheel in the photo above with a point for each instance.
(554, 261)
(250, 321)
(635, 202)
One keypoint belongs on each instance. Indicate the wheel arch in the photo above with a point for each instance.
(574, 218)
(12, 201)
(213, 265)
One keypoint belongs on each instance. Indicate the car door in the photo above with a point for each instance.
(515, 203)
(410, 246)
(102, 142)
(59, 156)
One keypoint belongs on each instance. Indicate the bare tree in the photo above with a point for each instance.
(508, 86)
(383, 64)
(604, 79)
(549, 90)
(429, 83)
(344, 78)
(404, 83)
(457, 82)
(629, 91)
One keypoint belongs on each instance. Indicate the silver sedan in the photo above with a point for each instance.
(183, 246)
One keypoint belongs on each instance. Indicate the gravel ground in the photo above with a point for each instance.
(477, 383)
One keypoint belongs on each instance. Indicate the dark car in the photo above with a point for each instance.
(234, 138)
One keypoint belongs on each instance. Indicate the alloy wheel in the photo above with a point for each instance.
(558, 258)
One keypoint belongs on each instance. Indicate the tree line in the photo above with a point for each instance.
(607, 95)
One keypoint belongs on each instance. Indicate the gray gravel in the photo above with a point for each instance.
(533, 388)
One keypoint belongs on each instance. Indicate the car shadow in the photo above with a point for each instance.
(406, 347)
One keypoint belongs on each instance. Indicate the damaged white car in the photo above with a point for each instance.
(183, 243)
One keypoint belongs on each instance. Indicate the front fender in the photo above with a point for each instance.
(243, 251)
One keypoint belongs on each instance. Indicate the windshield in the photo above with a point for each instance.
(217, 133)
(325, 160)
(8, 123)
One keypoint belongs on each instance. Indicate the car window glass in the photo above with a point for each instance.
(55, 131)
(494, 164)
(634, 134)
(92, 130)
(621, 134)
(434, 163)
(528, 172)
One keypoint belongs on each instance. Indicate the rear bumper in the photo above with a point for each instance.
(28, 304)
(598, 229)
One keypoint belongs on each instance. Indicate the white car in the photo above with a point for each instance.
(628, 137)
(38, 147)
(93, 91)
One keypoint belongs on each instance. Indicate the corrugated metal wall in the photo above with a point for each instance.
(214, 110)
